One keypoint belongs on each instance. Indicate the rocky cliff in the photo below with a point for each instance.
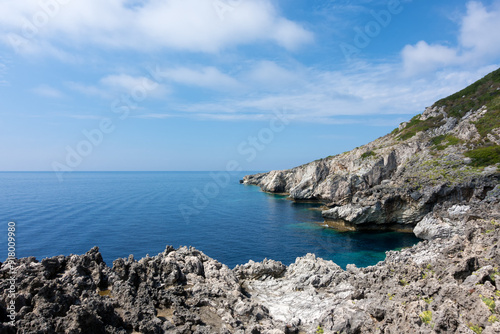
(448, 154)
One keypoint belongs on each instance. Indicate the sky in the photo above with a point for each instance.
(198, 85)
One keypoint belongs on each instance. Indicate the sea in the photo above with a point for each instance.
(141, 213)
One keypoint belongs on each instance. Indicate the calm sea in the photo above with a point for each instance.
(141, 212)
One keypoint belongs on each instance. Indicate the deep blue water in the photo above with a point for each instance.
(141, 212)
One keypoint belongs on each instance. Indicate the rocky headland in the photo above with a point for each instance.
(449, 154)
(436, 175)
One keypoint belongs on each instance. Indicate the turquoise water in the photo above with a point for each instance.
(141, 212)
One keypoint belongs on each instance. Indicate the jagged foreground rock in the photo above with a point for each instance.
(440, 286)
(178, 291)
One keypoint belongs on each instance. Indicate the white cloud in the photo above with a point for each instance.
(88, 89)
(85, 117)
(262, 75)
(425, 57)
(134, 85)
(112, 86)
(480, 30)
(478, 43)
(208, 77)
(47, 91)
(189, 25)
(270, 75)
(3, 71)
(155, 116)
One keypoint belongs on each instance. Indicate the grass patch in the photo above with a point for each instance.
(403, 282)
(440, 170)
(494, 274)
(437, 140)
(443, 141)
(484, 156)
(489, 302)
(480, 93)
(452, 140)
(368, 154)
(476, 328)
(426, 317)
(416, 125)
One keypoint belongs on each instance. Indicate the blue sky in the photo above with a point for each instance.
(197, 84)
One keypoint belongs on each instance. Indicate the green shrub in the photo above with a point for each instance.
(476, 328)
(426, 317)
(484, 156)
(437, 140)
(416, 125)
(319, 330)
(368, 154)
(489, 302)
(494, 274)
(452, 140)
(448, 139)
(493, 318)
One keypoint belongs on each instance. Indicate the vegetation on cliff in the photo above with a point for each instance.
(485, 91)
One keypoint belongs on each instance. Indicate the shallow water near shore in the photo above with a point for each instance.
(141, 212)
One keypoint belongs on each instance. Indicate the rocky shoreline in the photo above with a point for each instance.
(444, 285)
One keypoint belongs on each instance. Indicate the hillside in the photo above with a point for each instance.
(449, 154)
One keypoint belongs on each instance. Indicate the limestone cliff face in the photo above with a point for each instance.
(396, 180)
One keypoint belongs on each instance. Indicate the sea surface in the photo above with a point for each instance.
(140, 213)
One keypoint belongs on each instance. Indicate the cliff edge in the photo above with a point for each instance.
(448, 154)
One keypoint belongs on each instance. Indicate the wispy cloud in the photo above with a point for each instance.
(114, 85)
(3, 71)
(208, 77)
(140, 85)
(83, 117)
(48, 91)
(323, 96)
(155, 116)
(88, 90)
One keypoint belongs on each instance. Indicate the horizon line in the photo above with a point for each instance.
(127, 171)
